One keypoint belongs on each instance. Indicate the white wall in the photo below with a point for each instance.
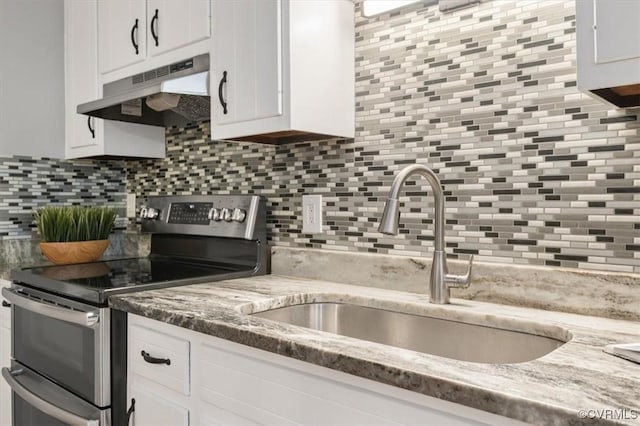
(32, 78)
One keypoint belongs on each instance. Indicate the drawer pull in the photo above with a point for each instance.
(6, 304)
(152, 360)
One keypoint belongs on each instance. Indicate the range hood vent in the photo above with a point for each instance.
(166, 96)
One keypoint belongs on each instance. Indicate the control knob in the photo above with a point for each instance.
(226, 215)
(214, 214)
(238, 215)
(149, 213)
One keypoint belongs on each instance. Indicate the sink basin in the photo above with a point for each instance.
(450, 339)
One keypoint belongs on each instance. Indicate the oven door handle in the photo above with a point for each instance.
(42, 405)
(84, 319)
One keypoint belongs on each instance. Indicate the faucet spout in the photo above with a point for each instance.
(441, 280)
(392, 204)
(390, 217)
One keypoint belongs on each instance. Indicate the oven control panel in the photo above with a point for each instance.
(190, 213)
(238, 216)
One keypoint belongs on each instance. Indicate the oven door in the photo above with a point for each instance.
(38, 401)
(66, 341)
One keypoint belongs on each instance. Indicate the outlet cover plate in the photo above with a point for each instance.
(131, 205)
(312, 214)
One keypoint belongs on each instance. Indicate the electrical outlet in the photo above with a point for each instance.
(312, 214)
(131, 205)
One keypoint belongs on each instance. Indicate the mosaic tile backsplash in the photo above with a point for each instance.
(30, 183)
(534, 171)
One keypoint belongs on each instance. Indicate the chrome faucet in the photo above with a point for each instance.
(441, 280)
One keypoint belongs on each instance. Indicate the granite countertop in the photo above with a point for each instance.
(549, 391)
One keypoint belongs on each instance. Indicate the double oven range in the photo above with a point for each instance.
(69, 349)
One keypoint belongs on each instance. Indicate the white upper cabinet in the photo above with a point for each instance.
(122, 27)
(282, 70)
(133, 33)
(248, 62)
(608, 50)
(87, 136)
(82, 133)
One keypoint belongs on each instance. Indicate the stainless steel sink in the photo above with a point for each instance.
(451, 339)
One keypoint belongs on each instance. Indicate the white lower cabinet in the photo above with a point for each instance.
(233, 384)
(5, 359)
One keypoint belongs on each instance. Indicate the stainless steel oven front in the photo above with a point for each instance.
(66, 342)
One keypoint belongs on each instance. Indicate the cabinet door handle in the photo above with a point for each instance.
(223, 81)
(134, 36)
(93, 132)
(6, 304)
(154, 20)
(152, 360)
(131, 410)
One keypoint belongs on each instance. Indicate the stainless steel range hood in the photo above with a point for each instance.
(166, 96)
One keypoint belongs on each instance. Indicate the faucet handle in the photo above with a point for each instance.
(460, 281)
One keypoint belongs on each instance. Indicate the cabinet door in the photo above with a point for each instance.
(81, 75)
(617, 36)
(174, 24)
(247, 49)
(122, 33)
(153, 409)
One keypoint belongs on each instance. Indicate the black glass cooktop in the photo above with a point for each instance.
(94, 282)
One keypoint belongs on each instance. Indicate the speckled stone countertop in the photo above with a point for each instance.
(548, 391)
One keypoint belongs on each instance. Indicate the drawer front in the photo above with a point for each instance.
(159, 357)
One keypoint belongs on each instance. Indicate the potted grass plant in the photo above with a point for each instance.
(74, 234)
